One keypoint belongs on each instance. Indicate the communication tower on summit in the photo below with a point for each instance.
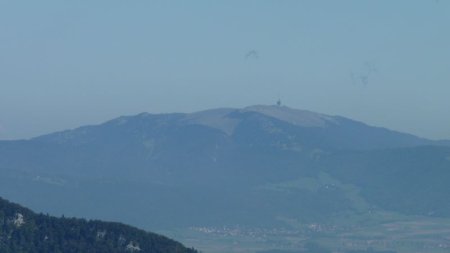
(279, 102)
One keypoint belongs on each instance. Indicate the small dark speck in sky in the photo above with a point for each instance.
(364, 76)
(252, 55)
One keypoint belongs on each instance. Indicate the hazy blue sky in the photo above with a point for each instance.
(68, 63)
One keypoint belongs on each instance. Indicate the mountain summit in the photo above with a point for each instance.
(255, 166)
(223, 119)
(305, 128)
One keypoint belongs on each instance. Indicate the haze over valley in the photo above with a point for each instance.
(234, 126)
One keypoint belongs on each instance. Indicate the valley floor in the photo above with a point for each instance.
(405, 235)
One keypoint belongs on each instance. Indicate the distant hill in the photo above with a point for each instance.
(22, 230)
(256, 166)
(306, 129)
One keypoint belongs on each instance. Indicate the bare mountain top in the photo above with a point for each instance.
(224, 120)
(293, 116)
(215, 118)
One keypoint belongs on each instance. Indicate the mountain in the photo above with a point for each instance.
(262, 167)
(22, 230)
(308, 129)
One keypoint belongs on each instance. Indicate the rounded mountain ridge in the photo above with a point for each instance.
(224, 120)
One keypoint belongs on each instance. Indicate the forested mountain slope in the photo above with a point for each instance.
(23, 231)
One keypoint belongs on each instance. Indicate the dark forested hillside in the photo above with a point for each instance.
(22, 231)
